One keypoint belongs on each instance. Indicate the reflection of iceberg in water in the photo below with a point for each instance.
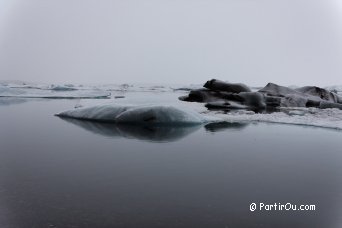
(222, 126)
(155, 133)
(4, 101)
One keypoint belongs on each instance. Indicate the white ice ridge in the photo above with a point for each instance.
(53, 94)
(327, 118)
(141, 114)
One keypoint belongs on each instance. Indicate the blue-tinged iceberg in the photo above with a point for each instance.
(141, 114)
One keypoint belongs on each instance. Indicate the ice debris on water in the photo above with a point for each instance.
(52, 93)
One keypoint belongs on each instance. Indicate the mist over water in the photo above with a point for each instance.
(254, 42)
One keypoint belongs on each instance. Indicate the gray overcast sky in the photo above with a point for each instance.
(172, 41)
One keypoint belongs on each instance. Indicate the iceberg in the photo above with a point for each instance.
(140, 115)
(222, 95)
(234, 103)
(67, 87)
(218, 85)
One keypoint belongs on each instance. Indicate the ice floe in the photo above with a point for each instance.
(138, 114)
(67, 87)
(327, 118)
(53, 93)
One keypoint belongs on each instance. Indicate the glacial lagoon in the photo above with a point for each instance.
(57, 172)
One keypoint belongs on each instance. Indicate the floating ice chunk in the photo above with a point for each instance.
(293, 100)
(320, 93)
(43, 93)
(335, 88)
(272, 89)
(297, 112)
(253, 99)
(225, 105)
(215, 84)
(67, 87)
(146, 114)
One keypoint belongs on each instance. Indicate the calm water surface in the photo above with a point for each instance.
(62, 173)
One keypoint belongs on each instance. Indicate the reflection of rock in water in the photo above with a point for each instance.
(153, 133)
(222, 126)
(11, 101)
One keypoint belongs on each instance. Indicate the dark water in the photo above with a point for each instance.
(62, 173)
